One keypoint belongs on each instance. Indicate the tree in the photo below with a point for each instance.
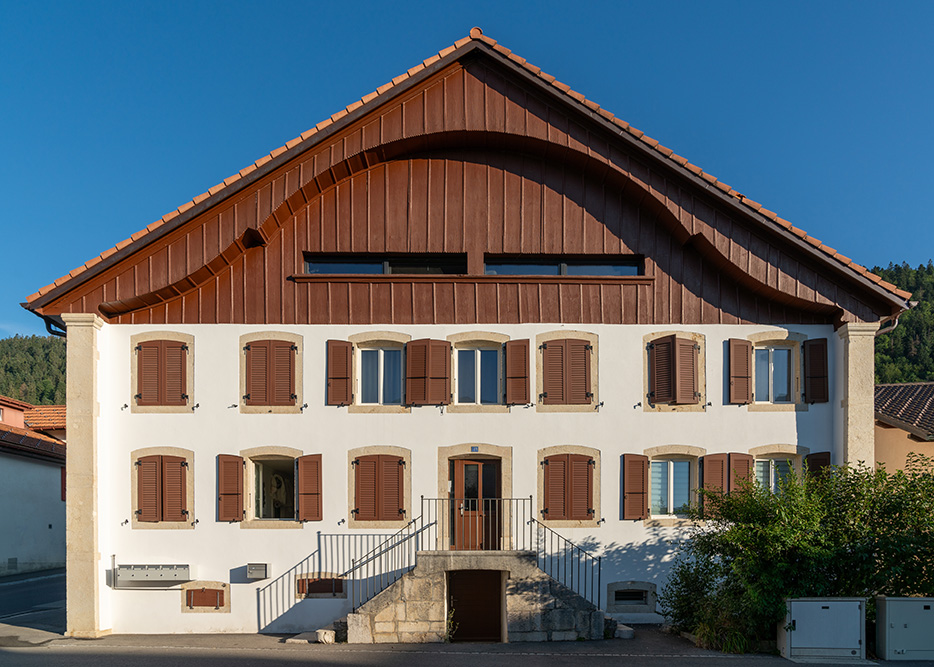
(32, 369)
(907, 353)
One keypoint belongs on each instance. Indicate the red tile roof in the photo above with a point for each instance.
(909, 406)
(46, 417)
(476, 34)
(30, 443)
(13, 403)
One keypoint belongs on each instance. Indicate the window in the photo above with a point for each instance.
(320, 587)
(161, 488)
(283, 487)
(274, 492)
(670, 483)
(773, 374)
(478, 376)
(673, 370)
(379, 488)
(351, 264)
(381, 376)
(161, 373)
(545, 266)
(270, 373)
(769, 472)
(568, 487)
(566, 372)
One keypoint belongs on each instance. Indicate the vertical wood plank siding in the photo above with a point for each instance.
(452, 182)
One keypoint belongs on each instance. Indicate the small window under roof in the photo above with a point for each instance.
(563, 266)
(354, 264)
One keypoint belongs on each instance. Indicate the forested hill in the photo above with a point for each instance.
(907, 354)
(32, 369)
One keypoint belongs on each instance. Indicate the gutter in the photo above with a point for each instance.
(891, 327)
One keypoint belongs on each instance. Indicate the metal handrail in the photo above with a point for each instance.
(569, 563)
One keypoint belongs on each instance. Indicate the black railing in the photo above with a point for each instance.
(568, 563)
(480, 524)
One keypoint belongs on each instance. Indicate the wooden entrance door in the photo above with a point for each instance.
(475, 505)
(476, 599)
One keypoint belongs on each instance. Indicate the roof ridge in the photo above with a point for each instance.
(476, 34)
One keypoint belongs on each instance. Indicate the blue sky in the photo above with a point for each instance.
(114, 114)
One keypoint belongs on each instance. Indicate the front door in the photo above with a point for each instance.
(475, 505)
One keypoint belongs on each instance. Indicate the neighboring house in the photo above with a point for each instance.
(32, 493)
(47, 419)
(471, 314)
(904, 422)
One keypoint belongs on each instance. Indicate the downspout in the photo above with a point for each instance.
(891, 327)
(49, 323)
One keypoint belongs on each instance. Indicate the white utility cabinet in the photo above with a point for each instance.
(823, 628)
(905, 628)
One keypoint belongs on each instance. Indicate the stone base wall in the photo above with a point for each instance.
(414, 609)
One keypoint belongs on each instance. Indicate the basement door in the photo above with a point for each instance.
(476, 506)
(475, 602)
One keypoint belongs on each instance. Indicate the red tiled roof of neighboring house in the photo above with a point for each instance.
(476, 34)
(31, 443)
(46, 417)
(909, 406)
(13, 403)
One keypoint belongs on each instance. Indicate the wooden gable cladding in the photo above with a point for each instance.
(437, 168)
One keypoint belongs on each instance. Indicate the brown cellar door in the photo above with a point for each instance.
(476, 602)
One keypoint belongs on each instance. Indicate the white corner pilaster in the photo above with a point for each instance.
(858, 391)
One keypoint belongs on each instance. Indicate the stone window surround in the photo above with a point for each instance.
(781, 452)
(296, 340)
(477, 340)
(787, 339)
(188, 585)
(540, 457)
(701, 405)
(189, 457)
(406, 456)
(674, 453)
(269, 452)
(613, 607)
(187, 339)
(371, 339)
(563, 334)
(322, 596)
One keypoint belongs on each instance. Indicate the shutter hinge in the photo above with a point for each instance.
(293, 347)
(593, 463)
(138, 348)
(139, 512)
(697, 346)
(544, 394)
(185, 512)
(589, 394)
(651, 346)
(138, 463)
(651, 394)
(355, 510)
(184, 347)
(353, 463)
(246, 397)
(543, 346)
(544, 462)
(588, 347)
(138, 396)
(293, 396)
(246, 347)
(185, 465)
(590, 510)
(401, 511)
(402, 462)
(185, 397)
(544, 510)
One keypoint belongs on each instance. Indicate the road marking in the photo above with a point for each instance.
(26, 581)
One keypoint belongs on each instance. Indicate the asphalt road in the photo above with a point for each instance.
(28, 591)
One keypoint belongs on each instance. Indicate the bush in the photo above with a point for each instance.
(853, 532)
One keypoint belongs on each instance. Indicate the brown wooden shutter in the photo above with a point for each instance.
(740, 469)
(580, 494)
(390, 489)
(309, 488)
(635, 486)
(340, 363)
(740, 371)
(439, 372)
(282, 372)
(554, 366)
(149, 488)
(257, 375)
(205, 597)
(554, 503)
(818, 463)
(517, 372)
(578, 372)
(662, 370)
(229, 488)
(366, 473)
(416, 371)
(174, 489)
(175, 373)
(685, 371)
(816, 381)
(715, 472)
(147, 372)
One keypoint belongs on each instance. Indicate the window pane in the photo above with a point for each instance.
(369, 376)
(782, 470)
(456, 264)
(353, 267)
(781, 375)
(489, 376)
(522, 269)
(489, 482)
(762, 474)
(392, 377)
(466, 376)
(608, 269)
(471, 480)
(762, 375)
(659, 481)
(681, 485)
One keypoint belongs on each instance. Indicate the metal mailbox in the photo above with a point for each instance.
(257, 571)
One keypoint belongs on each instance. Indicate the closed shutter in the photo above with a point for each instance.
(740, 371)
(325, 586)
(740, 469)
(147, 372)
(391, 506)
(816, 382)
(149, 488)
(366, 473)
(205, 597)
(175, 373)
(662, 370)
(282, 372)
(818, 463)
(309, 488)
(416, 372)
(715, 472)
(578, 372)
(174, 489)
(635, 486)
(685, 371)
(580, 494)
(554, 364)
(229, 488)
(339, 360)
(555, 487)
(257, 377)
(517, 372)
(439, 372)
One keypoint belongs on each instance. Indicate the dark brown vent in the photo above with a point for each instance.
(517, 372)
(229, 488)
(635, 486)
(816, 382)
(339, 376)
(740, 371)
(309, 488)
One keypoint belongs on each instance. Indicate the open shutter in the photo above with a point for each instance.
(390, 500)
(740, 469)
(365, 491)
(147, 372)
(517, 372)
(662, 370)
(149, 488)
(257, 374)
(635, 486)
(554, 504)
(175, 366)
(309, 488)
(554, 356)
(685, 371)
(715, 472)
(816, 384)
(578, 372)
(740, 371)
(818, 463)
(439, 372)
(229, 488)
(416, 372)
(580, 500)
(282, 373)
(339, 360)
(174, 489)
